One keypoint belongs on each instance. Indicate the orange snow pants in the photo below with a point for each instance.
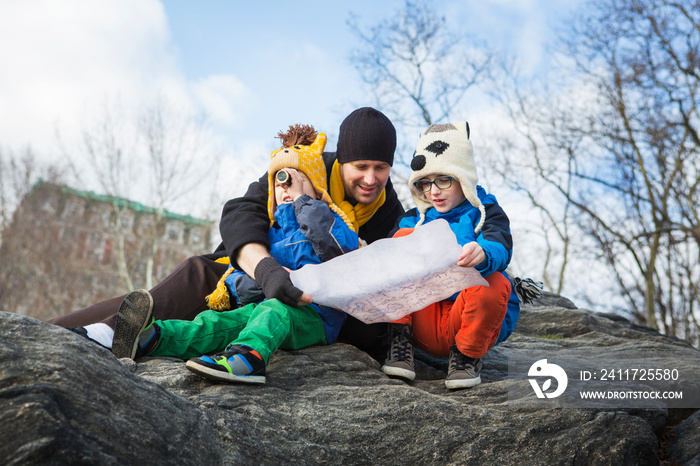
(473, 321)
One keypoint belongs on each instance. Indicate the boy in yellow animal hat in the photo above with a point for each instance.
(306, 227)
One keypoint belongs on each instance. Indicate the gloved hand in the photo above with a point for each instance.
(275, 282)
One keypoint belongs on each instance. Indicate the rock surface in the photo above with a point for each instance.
(64, 400)
(684, 446)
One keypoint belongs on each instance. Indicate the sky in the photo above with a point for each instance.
(252, 68)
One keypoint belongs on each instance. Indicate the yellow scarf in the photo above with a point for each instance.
(358, 214)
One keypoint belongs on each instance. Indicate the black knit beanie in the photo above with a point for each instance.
(366, 134)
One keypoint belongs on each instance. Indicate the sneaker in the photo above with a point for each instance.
(462, 371)
(399, 361)
(236, 364)
(133, 317)
(148, 339)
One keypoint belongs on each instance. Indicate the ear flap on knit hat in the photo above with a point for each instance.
(445, 149)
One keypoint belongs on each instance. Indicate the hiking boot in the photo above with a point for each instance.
(399, 361)
(133, 317)
(236, 364)
(462, 371)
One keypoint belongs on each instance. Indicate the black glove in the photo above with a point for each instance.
(275, 282)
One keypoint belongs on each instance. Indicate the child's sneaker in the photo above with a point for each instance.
(399, 361)
(462, 371)
(236, 364)
(148, 339)
(133, 317)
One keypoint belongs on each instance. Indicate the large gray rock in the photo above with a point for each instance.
(684, 443)
(65, 400)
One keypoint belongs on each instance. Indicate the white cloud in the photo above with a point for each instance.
(58, 59)
(520, 28)
(224, 98)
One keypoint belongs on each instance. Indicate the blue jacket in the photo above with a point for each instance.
(305, 232)
(494, 238)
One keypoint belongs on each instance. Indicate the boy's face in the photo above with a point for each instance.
(364, 180)
(300, 184)
(445, 199)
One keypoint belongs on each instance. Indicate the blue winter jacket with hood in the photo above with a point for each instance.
(306, 231)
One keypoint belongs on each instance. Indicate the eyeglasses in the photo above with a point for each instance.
(442, 182)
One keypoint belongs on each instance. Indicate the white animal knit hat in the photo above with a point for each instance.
(445, 150)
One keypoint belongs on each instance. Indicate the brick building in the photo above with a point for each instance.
(66, 249)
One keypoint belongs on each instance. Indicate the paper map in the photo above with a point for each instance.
(391, 277)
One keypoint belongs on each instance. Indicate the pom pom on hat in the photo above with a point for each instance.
(445, 149)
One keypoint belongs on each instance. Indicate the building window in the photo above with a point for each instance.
(96, 246)
(74, 208)
(172, 231)
(126, 219)
(195, 236)
(103, 216)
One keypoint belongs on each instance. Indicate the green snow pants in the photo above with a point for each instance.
(263, 327)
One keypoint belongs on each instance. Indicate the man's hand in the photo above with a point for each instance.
(276, 283)
(472, 255)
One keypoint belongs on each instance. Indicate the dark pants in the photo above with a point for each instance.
(181, 295)
(371, 338)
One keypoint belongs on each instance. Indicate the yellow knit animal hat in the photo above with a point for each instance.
(301, 149)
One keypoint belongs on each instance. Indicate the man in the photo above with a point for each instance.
(358, 183)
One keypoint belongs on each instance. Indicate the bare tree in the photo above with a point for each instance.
(177, 167)
(18, 175)
(535, 157)
(421, 71)
(605, 147)
(624, 150)
(643, 57)
(107, 158)
(418, 69)
(159, 158)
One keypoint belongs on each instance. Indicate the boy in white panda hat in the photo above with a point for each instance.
(444, 185)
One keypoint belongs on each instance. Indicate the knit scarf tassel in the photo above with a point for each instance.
(219, 299)
(358, 214)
